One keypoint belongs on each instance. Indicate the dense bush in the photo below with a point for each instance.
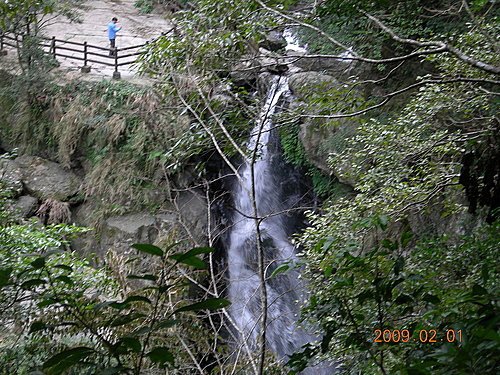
(57, 312)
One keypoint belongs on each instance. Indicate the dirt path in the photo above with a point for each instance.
(137, 28)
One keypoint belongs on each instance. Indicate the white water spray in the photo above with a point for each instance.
(285, 291)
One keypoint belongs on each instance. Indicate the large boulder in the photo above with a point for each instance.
(305, 84)
(11, 176)
(45, 179)
(245, 73)
(186, 218)
(272, 64)
(322, 138)
(124, 230)
(24, 206)
(274, 41)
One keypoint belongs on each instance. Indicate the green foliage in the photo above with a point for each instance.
(15, 16)
(368, 271)
(437, 285)
(210, 35)
(58, 314)
(34, 269)
(118, 127)
(345, 20)
(71, 299)
(140, 324)
(145, 6)
(25, 19)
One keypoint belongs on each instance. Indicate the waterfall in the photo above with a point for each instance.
(285, 291)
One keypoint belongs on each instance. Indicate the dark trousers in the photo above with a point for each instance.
(112, 47)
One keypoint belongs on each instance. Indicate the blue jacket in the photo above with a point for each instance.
(112, 30)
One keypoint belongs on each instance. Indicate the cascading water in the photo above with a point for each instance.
(285, 291)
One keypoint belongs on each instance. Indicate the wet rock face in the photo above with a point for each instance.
(187, 218)
(337, 67)
(321, 136)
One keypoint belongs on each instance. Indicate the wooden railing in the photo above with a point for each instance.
(85, 52)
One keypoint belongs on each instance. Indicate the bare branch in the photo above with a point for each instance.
(439, 44)
(398, 92)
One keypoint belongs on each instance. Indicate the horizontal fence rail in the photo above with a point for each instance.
(82, 51)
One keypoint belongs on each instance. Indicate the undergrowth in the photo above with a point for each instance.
(129, 141)
(116, 132)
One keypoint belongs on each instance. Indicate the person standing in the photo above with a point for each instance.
(113, 28)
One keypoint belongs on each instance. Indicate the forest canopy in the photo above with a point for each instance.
(393, 125)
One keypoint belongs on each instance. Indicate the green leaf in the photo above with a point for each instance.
(5, 276)
(124, 304)
(195, 251)
(406, 237)
(280, 269)
(167, 323)
(431, 298)
(148, 248)
(65, 279)
(142, 330)
(388, 244)
(399, 265)
(130, 342)
(47, 302)
(209, 304)
(478, 290)
(37, 326)
(38, 263)
(31, 283)
(192, 261)
(365, 295)
(342, 282)
(64, 360)
(161, 355)
(189, 258)
(137, 299)
(121, 320)
(328, 271)
(403, 299)
(64, 267)
(382, 221)
(476, 5)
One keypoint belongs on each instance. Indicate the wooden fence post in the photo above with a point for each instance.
(85, 67)
(53, 50)
(3, 52)
(53, 47)
(116, 73)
